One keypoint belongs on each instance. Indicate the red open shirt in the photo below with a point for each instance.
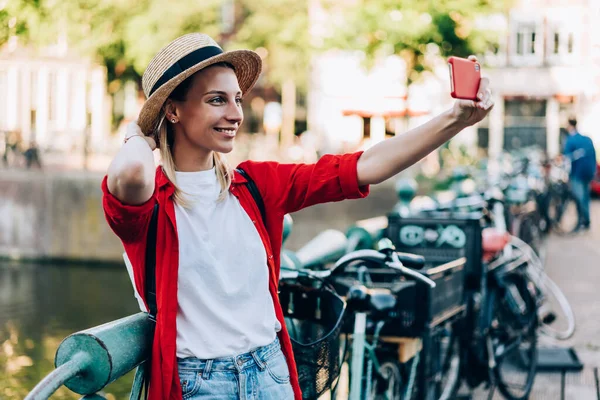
(284, 188)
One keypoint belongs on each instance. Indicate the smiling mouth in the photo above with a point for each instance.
(228, 132)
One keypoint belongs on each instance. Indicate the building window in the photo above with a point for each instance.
(526, 40)
(519, 43)
(524, 123)
(562, 45)
(52, 100)
(570, 43)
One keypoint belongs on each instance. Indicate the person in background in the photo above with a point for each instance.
(580, 151)
(32, 156)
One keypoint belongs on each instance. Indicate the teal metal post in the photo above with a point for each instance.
(365, 233)
(406, 189)
(289, 260)
(89, 360)
(288, 224)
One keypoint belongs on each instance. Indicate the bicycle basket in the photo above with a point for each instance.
(441, 239)
(313, 316)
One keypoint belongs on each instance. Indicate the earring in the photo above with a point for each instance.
(173, 120)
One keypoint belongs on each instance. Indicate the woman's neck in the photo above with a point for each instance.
(191, 160)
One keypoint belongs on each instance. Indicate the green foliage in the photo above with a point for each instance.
(410, 27)
(281, 27)
(125, 34)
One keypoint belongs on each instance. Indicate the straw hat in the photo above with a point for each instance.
(182, 58)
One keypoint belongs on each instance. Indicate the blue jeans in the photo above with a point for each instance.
(581, 192)
(261, 374)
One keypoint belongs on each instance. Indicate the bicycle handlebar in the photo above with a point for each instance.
(295, 273)
(382, 258)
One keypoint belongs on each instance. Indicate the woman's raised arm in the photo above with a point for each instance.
(388, 158)
(131, 173)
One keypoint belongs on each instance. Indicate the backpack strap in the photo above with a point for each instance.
(254, 192)
(151, 265)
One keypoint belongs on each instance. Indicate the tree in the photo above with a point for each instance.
(280, 27)
(407, 27)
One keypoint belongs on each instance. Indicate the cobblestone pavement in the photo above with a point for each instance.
(573, 262)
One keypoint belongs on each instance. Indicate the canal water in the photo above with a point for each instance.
(42, 304)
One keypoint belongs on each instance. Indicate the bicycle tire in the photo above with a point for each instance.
(549, 287)
(447, 380)
(564, 209)
(504, 320)
(387, 383)
(530, 232)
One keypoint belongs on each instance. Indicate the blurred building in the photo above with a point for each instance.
(53, 98)
(546, 69)
(348, 105)
(351, 106)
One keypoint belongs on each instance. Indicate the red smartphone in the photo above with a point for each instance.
(464, 78)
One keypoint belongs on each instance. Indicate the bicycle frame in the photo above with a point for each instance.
(358, 354)
(359, 345)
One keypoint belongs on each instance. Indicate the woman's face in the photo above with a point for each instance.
(211, 114)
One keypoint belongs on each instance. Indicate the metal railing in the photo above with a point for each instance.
(89, 360)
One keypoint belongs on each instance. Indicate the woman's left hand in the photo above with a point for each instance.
(470, 112)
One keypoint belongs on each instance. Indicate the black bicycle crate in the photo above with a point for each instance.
(418, 306)
(426, 307)
(441, 239)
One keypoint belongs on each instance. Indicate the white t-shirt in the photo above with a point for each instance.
(225, 307)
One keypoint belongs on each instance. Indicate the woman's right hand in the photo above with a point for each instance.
(133, 129)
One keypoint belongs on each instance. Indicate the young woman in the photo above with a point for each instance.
(220, 331)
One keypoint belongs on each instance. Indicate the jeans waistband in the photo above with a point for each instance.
(258, 356)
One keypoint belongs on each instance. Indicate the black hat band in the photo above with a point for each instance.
(185, 63)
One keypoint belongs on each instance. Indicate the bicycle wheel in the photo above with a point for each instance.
(512, 338)
(557, 318)
(563, 213)
(530, 233)
(445, 363)
(388, 382)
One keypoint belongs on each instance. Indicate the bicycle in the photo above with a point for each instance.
(499, 330)
(556, 318)
(416, 317)
(561, 205)
(375, 368)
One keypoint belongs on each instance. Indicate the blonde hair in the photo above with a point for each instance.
(166, 137)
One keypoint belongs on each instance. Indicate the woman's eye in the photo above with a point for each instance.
(217, 100)
(239, 100)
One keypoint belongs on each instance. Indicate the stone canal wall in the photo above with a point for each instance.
(59, 215)
(54, 215)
